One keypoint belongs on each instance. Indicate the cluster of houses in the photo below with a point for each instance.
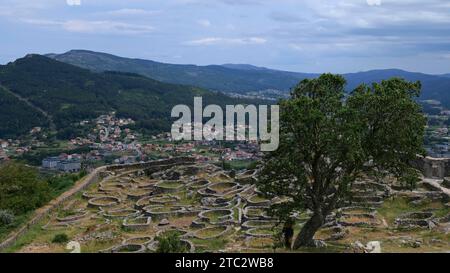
(437, 136)
(110, 141)
(17, 147)
(3, 156)
(237, 155)
(109, 128)
(63, 163)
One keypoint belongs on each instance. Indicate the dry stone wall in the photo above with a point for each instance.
(433, 167)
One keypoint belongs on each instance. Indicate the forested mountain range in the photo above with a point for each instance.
(39, 91)
(242, 78)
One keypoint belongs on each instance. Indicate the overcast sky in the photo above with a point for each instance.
(299, 35)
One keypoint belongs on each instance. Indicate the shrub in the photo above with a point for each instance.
(60, 238)
(21, 189)
(6, 217)
(171, 243)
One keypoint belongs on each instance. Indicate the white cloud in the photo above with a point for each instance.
(130, 12)
(296, 47)
(96, 27)
(226, 41)
(108, 27)
(73, 2)
(204, 23)
(374, 2)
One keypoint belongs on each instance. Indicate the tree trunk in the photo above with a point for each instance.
(306, 235)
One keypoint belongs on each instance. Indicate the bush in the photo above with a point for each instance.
(21, 189)
(171, 243)
(60, 238)
(6, 217)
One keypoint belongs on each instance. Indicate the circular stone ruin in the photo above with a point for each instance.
(213, 203)
(111, 187)
(218, 216)
(222, 188)
(415, 220)
(107, 201)
(121, 213)
(139, 223)
(143, 202)
(136, 194)
(164, 199)
(258, 224)
(255, 213)
(73, 216)
(199, 184)
(160, 212)
(143, 240)
(260, 232)
(168, 186)
(212, 232)
(358, 216)
(95, 194)
(189, 246)
(129, 248)
(258, 200)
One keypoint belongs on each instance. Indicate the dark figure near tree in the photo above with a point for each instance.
(329, 139)
(288, 233)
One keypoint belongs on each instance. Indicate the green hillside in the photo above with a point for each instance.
(67, 94)
(16, 117)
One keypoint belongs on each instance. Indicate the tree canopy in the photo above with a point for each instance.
(329, 139)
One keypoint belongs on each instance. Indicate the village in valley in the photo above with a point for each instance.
(109, 140)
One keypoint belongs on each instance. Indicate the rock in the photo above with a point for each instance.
(319, 244)
(431, 225)
(436, 242)
(416, 244)
(357, 247)
(338, 236)
(411, 242)
(164, 222)
(373, 247)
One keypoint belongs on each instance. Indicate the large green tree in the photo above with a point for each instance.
(328, 140)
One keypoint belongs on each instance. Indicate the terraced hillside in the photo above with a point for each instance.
(213, 210)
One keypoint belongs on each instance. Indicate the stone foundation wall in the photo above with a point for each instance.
(433, 167)
(154, 163)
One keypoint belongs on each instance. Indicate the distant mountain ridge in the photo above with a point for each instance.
(224, 78)
(243, 78)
